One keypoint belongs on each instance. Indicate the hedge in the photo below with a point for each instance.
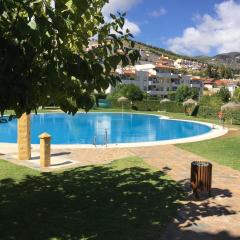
(150, 105)
(172, 107)
(116, 104)
(232, 116)
(208, 112)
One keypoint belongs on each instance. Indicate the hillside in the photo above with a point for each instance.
(231, 60)
(161, 51)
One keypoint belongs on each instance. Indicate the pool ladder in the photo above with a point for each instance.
(105, 140)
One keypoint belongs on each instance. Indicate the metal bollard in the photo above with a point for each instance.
(45, 149)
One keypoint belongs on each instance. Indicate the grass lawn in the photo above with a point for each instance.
(123, 200)
(224, 150)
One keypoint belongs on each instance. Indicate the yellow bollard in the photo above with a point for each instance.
(24, 139)
(45, 149)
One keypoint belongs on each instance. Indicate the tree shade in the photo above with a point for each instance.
(45, 55)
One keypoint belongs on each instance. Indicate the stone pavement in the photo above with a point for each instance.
(212, 218)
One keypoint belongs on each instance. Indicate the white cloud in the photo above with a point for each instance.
(123, 6)
(158, 13)
(133, 27)
(220, 33)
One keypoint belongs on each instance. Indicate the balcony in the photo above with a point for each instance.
(127, 81)
(196, 85)
(153, 82)
(157, 92)
(167, 75)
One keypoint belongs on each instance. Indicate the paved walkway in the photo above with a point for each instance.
(215, 218)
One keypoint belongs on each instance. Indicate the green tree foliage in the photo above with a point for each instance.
(212, 71)
(224, 94)
(194, 93)
(44, 53)
(172, 95)
(236, 95)
(219, 72)
(225, 72)
(184, 92)
(130, 91)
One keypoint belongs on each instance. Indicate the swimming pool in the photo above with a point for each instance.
(102, 128)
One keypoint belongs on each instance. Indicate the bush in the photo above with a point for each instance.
(211, 101)
(130, 91)
(232, 116)
(224, 94)
(150, 105)
(172, 107)
(236, 95)
(116, 104)
(208, 112)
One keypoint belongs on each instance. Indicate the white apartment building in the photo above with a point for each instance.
(158, 79)
(188, 64)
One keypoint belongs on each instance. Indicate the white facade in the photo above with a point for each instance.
(188, 64)
(157, 80)
(232, 88)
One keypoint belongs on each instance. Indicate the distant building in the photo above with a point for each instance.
(213, 86)
(158, 79)
(188, 64)
(231, 85)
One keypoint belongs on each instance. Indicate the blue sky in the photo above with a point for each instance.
(192, 27)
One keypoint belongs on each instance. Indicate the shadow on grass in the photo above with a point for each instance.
(88, 203)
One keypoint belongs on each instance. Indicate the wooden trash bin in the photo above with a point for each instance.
(201, 177)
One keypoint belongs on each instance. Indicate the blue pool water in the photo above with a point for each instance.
(121, 128)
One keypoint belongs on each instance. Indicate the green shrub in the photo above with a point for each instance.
(213, 101)
(150, 105)
(172, 107)
(232, 116)
(208, 112)
(116, 104)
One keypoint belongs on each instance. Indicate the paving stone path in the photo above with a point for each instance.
(214, 218)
